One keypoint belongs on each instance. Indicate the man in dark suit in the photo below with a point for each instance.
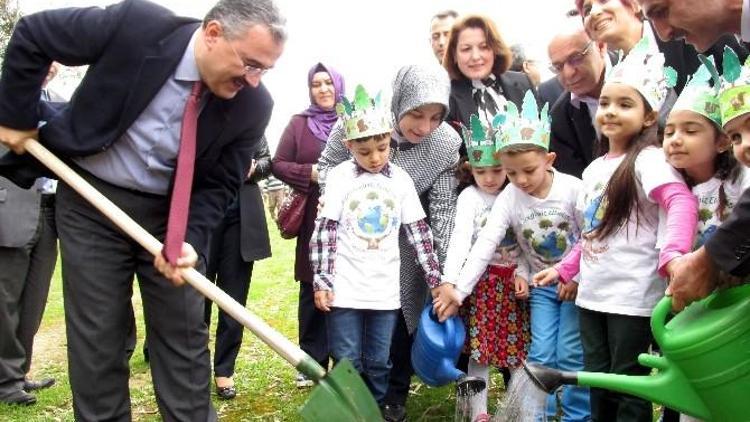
(148, 62)
(549, 91)
(701, 23)
(580, 63)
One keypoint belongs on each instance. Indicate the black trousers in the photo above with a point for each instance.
(313, 332)
(25, 275)
(41, 267)
(99, 263)
(612, 343)
(232, 275)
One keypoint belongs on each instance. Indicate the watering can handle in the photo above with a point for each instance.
(659, 318)
(450, 324)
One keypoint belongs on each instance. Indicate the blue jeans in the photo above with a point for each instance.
(364, 337)
(556, 342)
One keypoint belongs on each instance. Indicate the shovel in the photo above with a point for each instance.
(340, 395)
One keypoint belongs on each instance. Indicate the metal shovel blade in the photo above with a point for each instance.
(341, 395)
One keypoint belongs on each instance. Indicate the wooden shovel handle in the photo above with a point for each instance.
(288, 350)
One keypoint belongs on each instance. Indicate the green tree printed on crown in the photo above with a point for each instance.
(353, 205)
(704, 214)
(545, 224)
(389, 203)
(527, 233)
(372, 196)
(564, 226)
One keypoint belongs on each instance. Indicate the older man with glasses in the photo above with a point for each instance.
(580, 64)
(164, 98)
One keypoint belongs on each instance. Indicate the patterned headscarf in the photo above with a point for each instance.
(419, 84)
(319, 120)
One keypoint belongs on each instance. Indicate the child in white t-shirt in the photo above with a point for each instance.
(495, 314)
(539, 208)
(696, 145)
(354, 249)
(629, 195)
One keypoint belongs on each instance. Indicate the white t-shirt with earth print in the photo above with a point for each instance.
(708, 203)
(619, 273)
(546, 228)
(472, 209)
(370, 209)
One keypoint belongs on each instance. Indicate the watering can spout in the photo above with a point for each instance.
(668, 386)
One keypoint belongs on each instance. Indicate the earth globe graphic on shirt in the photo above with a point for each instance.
(375, 217)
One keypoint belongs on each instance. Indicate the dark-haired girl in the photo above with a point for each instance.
(638, 217)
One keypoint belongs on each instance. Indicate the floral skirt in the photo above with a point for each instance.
(497, 325)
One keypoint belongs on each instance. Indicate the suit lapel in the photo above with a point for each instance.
(585, 132)
(154, 70)
(214, 118)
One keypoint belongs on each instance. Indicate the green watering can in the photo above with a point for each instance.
(705, 368)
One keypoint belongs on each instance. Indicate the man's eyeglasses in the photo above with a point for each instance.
(574, 60)
(249, 69)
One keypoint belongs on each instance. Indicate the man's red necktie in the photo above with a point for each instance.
(183, 179)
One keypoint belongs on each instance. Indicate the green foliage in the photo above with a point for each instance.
(545, 224)
(9, 15)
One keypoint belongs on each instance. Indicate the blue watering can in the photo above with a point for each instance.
(435, 351)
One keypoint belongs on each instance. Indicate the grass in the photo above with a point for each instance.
(265, 382)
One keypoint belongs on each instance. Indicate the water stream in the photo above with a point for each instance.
(523, 401)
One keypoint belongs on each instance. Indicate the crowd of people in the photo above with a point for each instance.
(550, 216)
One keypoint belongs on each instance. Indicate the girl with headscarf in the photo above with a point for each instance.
(427, 149)
(295, 164)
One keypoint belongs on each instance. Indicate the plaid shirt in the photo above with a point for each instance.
(323, 252)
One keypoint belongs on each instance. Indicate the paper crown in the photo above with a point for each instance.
(480, 143)
(734, 97)
(363, 116)
(643, 69)
(698, 95)
(529, 127)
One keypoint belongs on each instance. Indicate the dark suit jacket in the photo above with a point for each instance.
(19, 213)
(132, 47)
(462, 106)
(254, 241)
(549, 91)
(572, 136)
(684, 58)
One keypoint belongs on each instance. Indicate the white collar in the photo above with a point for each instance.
(187, 69)
(592, 102)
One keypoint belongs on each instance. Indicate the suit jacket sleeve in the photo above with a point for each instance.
(74, 37)
(262, 162)
(729, 247)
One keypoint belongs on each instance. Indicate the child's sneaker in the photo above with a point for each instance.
(302, 381)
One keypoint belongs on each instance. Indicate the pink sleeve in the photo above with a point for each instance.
(682, 218)
(570, 265)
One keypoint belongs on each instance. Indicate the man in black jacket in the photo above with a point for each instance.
(580, 64)
(122, 131)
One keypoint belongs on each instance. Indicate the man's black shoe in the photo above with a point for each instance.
(31, 385)
(20, 398)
